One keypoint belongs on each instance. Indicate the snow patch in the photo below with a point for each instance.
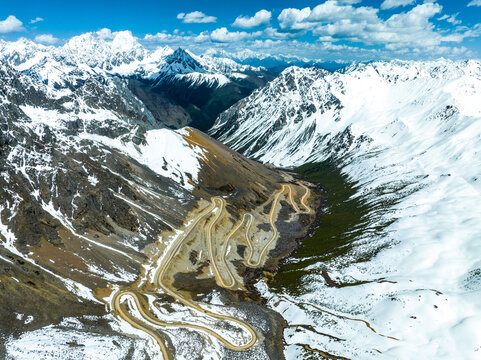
(164, 152)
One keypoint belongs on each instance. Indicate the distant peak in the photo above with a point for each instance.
(124, 41)
(183, 61)
(180, 53)
(121, 41)
(301, 71)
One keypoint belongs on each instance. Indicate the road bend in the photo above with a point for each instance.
(164, 267)
(220, 204)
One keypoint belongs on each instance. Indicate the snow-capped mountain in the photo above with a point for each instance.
(177, 85)
(120, 55)
(408, 135)
(275, 63)
(181, 66)
(110, 55)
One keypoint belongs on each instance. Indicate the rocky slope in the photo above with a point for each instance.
(93, 185)
(406, 136)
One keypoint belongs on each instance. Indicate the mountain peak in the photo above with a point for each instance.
(181, 62)
(121, 41)
(20, 51)
(296, 72)
(180, 55)
(104, 50)
(124, 41)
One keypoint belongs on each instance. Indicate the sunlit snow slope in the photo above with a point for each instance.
(407, 132)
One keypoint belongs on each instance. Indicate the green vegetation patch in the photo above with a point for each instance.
(348, 217)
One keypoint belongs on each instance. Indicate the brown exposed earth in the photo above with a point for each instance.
(206, 233)
(241, 219)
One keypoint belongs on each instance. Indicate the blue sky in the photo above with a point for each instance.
(329, 30)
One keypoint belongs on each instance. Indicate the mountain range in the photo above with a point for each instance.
(403, 138)
(178, 86)
(276, 63)
(111, 192)
(93, 183)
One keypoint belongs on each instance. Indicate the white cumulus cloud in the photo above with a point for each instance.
(197, 17)
(105, 33)
(452, 19)
(475, 3)
(391, 4)
(293, 19)
(223, 35)
(166, 38)
(11, 24)
(262, 17)
(47, 39)
(328, 12)
(333, 22)
(272, 33)
(409, 29)
(36, 20)
(331, 11)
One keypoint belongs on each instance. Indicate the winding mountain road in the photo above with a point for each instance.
(165, 263)
(226, 243)
(271, 220)
(126, 316)
(308, 210)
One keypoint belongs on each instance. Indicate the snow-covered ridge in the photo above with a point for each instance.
(298, 107)
(405, 125)
(401, 70)
(115, 119)
(91, 129)
(94, 54)
(164, 151)
(248, 56)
